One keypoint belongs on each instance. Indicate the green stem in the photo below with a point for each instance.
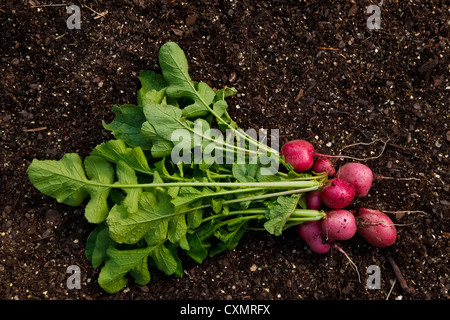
(303, 219)
(245, 136)
(293, 223)
(221, 215)
(274, 194)
(220, 176)
(307, 212)
(299, 215)
(234, 147)
(264, 196)
(270, 185)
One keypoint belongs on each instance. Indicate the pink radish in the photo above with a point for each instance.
(376, 227)
(313, 201)
(312, 233)
(299, 154)
(337, 193)
(323, 164)
(359, 175)
(339, 225)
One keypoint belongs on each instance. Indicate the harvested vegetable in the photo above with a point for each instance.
(182, 177)
(323, 164)
(337, 193)
(359, 175)
(376, 227)
(313, 201)
(299, 154)
(339, 225)
(312, 233)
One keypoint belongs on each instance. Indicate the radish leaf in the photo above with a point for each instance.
(119, 263)
(127, 125)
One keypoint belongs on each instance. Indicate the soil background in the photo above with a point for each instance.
(312, 69)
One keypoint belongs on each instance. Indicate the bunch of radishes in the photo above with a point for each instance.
(349, 181)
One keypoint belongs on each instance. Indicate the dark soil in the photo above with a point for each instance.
(313, 70)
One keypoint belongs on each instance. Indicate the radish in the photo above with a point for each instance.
(313, 201)
(299, 154)
(339, 225)
(312, 233)
(337, 193)
(376, 227)
(359, 175)
(323, 164)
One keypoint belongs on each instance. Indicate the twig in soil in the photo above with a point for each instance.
(59, 37)
(35, 129)
(377, 176)
(99, 14)
(404, 150)
(299, 96)
(392, 287)
(324, 48)
(51, 5)
(399, 276)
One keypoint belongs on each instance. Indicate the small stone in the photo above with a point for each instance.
(190, 21)
(7, 209)
(46, 233)
(347, 290)
(145, 289)
(353, 10)
(232, 77)
(53, 216)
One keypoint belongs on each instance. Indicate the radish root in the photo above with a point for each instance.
(355, 144)
(349, 259)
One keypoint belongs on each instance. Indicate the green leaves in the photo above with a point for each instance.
(162, 121)
(152, 218)
(98, 170)
(279, 212)
(119, 263)
(149, 207)
(66, 181)
(116, 151)
(175, 71)
(63, 180)
(127, 125)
